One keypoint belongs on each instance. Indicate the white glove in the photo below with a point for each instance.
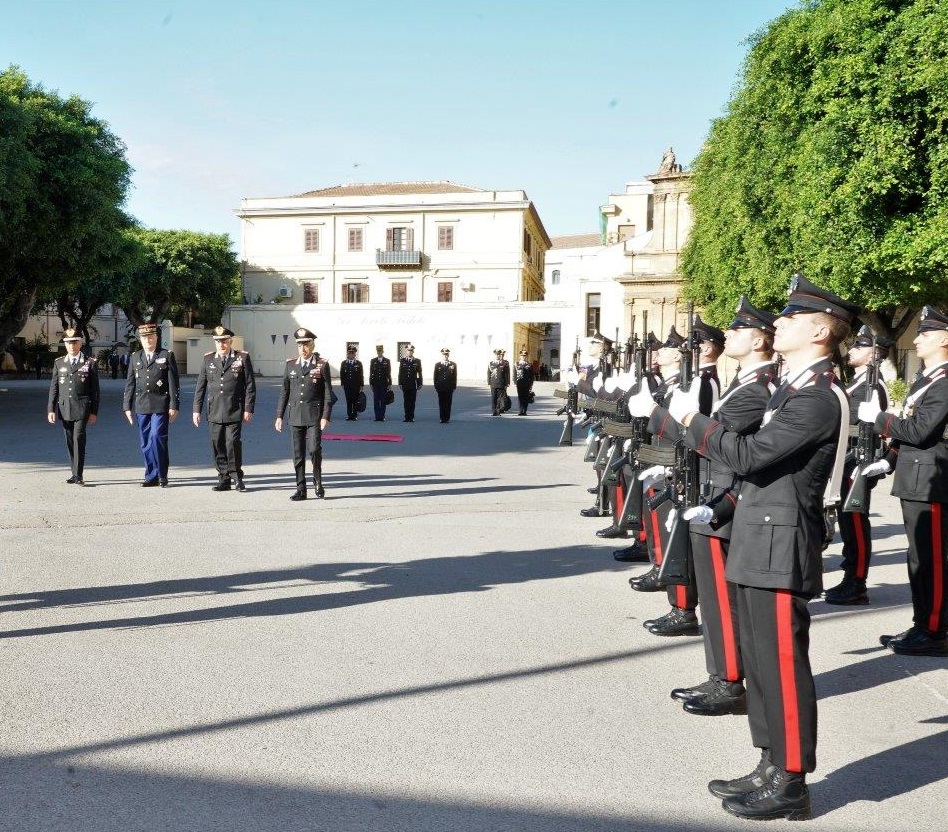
(572, 377)
(626, 446)
(627, 379)
(682, 402)
(611, 384)
(700, 515)
(869, 410)
(597, 383)
(641, 404)
(670, 520)
(876, 469)
(653, 475)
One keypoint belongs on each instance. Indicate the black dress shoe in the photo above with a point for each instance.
(851, 592)
(591, 512)
(612, 532)
(593, 489)
(221, 486)
(678, 622)
(920, 643)
(785, 796)
(760, 776)
(298, 495)
(636, 553)
(163, 483)
(885, 641)
(71, 481)
(726, 698)
(648, 582)
(149, 483)
(320, 492)
(78, 481)
(684, 694)
(240, 485)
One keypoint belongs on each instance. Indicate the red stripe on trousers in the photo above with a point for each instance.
(724, 606)
(861, 569)
(788, 681)
(938, 570)
(656, 534)
(620, 498)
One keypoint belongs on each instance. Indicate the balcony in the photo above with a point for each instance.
(396, 259)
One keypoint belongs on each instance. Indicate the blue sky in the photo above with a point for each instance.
(566, 99)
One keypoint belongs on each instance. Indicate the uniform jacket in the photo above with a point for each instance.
(230, 391)
(350, 374)
(665, 430)
(523, 374)
(777, 534)
(152, 387)
(308, 395)
(498, 374)
(74, 391)
(409, 373)
(445, 376)
(380, 372)
(921, 465)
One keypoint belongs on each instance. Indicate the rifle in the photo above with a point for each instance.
(677, 567)
(867, 447)
(569, 409)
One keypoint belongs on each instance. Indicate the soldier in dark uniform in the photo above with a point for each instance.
(226, 378)
(380, 380)
(409, 379)
(151, 390)
(307, 391)
(352, 380)
(920, 455)
(854, 526)
(789, 469)
(74, 397)
(681, 619)
(749, 340)
(523, 378)
(445, 383)
(498, 379)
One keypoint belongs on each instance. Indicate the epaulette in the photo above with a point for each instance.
(209, 354)
(291, 360)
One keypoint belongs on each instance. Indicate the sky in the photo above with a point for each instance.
(215, 101)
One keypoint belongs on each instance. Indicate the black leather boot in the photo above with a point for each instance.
(648, 582)
(785, 796)
(611, 532)
(746, 784)
(684, 694)
(850, 592)
(636, 553)
(726, 698)
(678, 622)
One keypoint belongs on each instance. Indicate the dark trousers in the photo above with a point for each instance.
(378, 401)
(444, 405)
(352, 397)
(75, 432)
(927, 533)
(311, 436)
(227, 448)
(781, 697)
(498, 399)
(719, 627)
(523, 397)
(855, 531)
(409, 394)
(683, 597)
(153, 439)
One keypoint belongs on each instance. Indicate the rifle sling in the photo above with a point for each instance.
(650, 455)
(625, 430)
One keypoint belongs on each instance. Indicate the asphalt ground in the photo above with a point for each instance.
(440, 644)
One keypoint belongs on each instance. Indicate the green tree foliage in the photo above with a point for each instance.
(832, 159)
(63, 180)
(185, 276)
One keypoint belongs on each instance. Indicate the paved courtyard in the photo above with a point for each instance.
(441, 644)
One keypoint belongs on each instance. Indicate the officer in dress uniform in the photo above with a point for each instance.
(748, 340)
(410, 380)
(498, 379)
(226, 379)
(445, 383)
(151, 390)
(523, 378)
(74, 397)
(920, 455)
(854, 526)
(681, 619)
(789, 469)
(380, 380)
(352, 380)
(307, 391)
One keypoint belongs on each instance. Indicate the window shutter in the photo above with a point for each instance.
(390, 239)
(410, 239)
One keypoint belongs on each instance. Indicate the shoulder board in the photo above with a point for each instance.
(290, 360)
(209, 354)
(242, 352)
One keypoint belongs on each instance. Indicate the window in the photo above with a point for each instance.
(526, 242)
(355, 239)
(593, 302)
(399, 292)
(445, 238)
(399, 238)
(556, 277)
(649, 213)
(626, 232)
(355, 293)
(445, 292)
(310, 293)
(311, 239)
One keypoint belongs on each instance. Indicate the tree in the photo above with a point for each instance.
(181, 275)
(832, 159)
(63, 180)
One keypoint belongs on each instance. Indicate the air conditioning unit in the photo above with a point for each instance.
(286, 291)
(466, 287)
